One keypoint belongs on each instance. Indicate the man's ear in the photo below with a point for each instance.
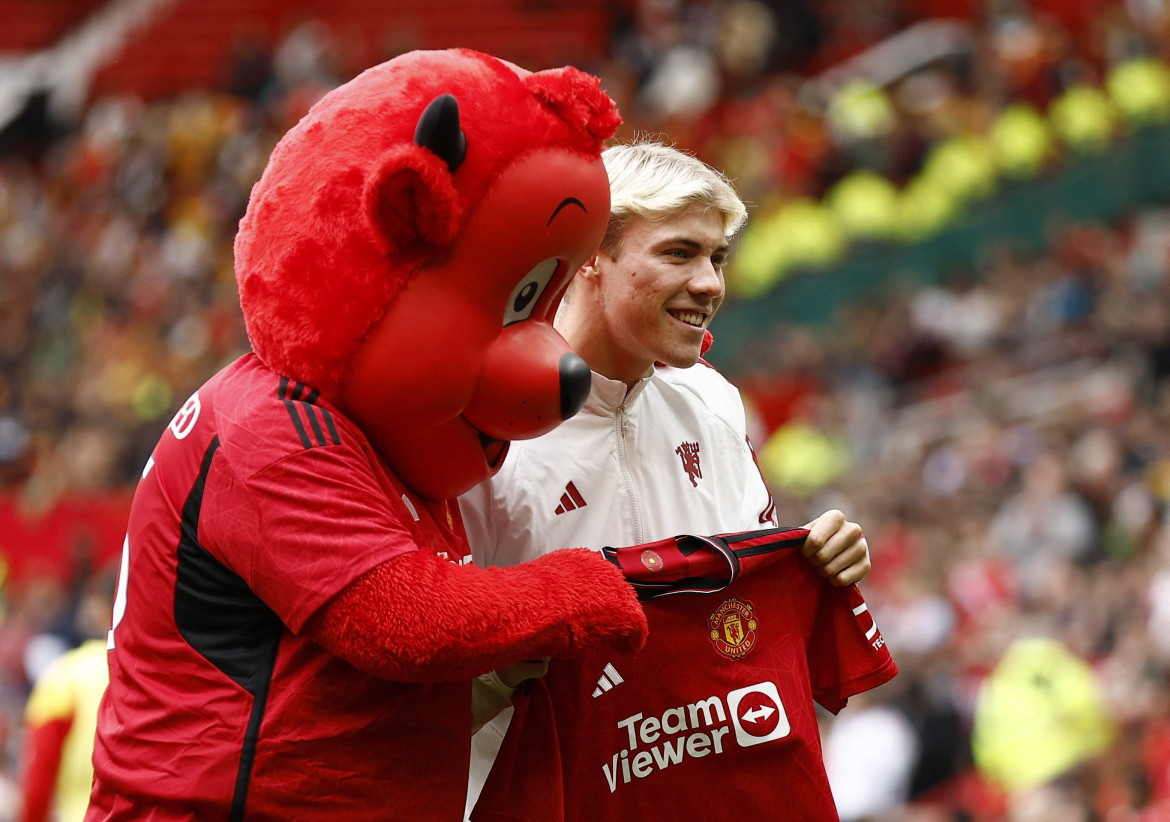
(589, 269)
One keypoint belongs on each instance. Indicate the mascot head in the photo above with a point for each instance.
(407, 245)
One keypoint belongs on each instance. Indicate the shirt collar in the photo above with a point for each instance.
(607, 396)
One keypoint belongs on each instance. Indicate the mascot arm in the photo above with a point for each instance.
(420, 618)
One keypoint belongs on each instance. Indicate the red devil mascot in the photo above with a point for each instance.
(296, 626)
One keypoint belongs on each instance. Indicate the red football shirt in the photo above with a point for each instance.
(259, 503)
(714, 718)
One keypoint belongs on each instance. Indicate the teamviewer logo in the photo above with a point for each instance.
(758, 714)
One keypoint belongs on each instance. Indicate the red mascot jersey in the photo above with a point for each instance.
(258, 505)
(714, 719)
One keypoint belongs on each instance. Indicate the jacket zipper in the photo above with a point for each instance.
(635, 509)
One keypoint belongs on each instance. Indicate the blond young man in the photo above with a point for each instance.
(661, 447)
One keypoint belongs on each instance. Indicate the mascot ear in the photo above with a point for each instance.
(576, 98)
(409, 196)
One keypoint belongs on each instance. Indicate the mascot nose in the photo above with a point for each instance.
(575, 384)
(531, 382)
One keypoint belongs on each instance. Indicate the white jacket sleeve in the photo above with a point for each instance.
(476, 508)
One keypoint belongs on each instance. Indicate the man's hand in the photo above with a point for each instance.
(513, 675)
(837, 548)
(492, 692)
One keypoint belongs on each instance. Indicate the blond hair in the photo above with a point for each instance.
(653, 181)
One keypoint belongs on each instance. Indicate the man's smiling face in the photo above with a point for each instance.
(657, 297)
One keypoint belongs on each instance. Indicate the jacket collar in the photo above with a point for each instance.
(606, 397)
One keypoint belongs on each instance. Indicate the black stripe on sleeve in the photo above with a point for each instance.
(329, 424)
(282, 392)
(310, 409)
(313, 409)
(314, 395)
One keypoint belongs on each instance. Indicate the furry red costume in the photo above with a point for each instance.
(295, 630)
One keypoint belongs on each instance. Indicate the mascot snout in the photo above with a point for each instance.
(532, 381)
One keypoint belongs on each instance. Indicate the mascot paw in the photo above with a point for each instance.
(610, 614)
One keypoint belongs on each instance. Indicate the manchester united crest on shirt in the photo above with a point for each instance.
(734, 628)
(688, 452)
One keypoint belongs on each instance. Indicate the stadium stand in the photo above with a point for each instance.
(32, 25)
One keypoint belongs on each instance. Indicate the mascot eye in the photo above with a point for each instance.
(527, 293)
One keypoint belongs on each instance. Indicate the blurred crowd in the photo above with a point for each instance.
(1004, 436)
(749, 86)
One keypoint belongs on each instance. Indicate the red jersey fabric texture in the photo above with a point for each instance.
(218, 708)
(715, 718)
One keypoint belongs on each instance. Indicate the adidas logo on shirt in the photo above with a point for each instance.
(608, 679)
(571, 500)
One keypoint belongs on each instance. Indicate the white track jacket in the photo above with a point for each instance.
(671, 457)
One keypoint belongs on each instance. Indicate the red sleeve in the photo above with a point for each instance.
(324, 509)
(41, 755)
(847, 653)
